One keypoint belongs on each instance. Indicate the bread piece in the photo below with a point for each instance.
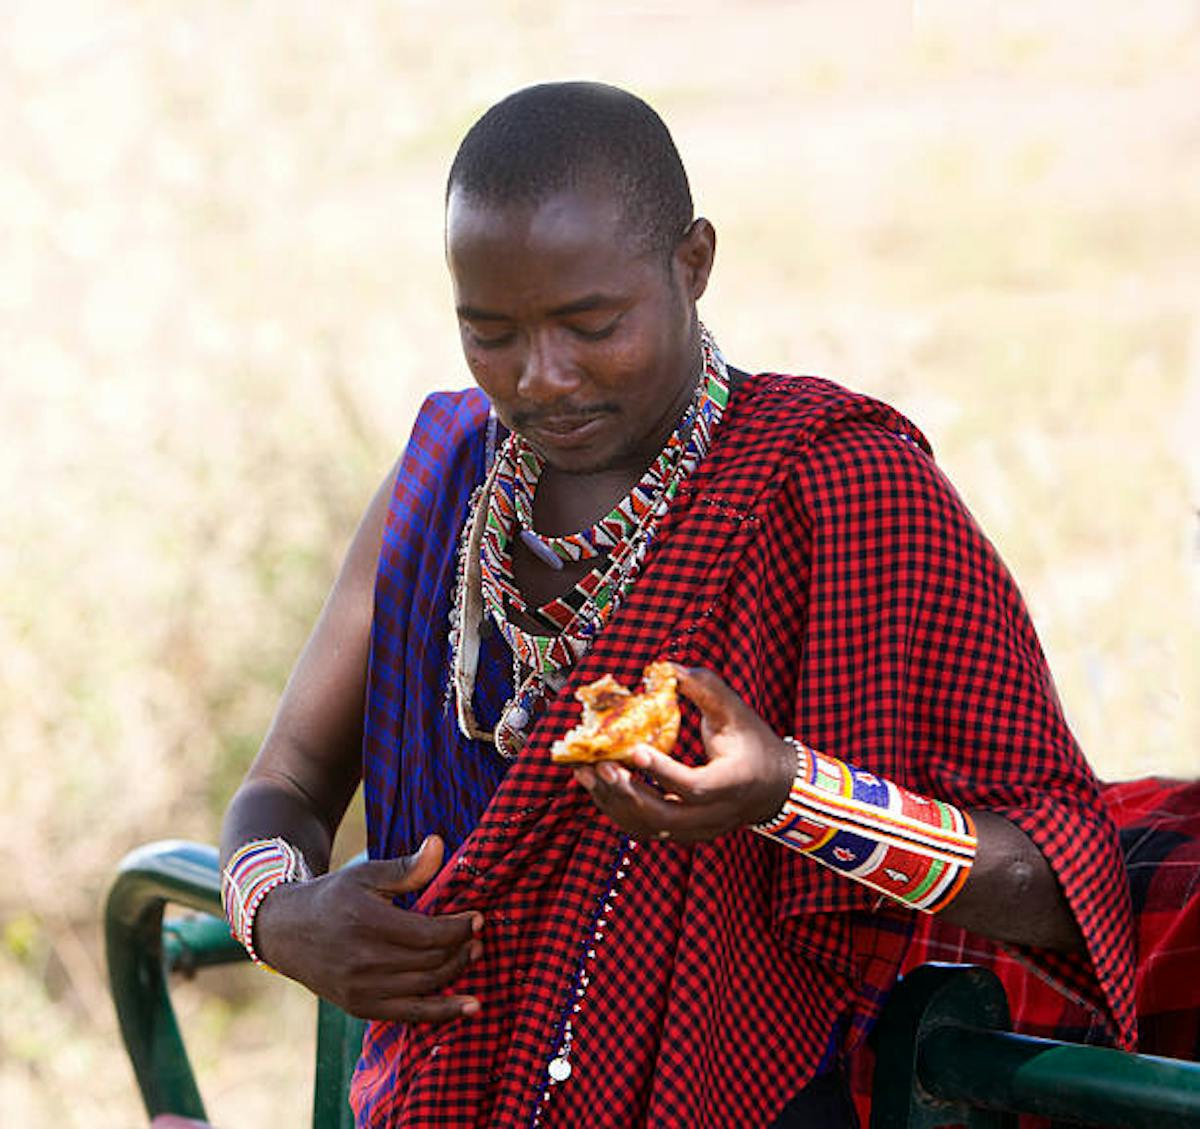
(615, 720)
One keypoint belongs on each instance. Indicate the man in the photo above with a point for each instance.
(647, 943)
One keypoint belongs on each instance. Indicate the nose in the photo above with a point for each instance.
(548, 370)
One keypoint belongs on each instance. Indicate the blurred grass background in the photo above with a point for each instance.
(222, 298)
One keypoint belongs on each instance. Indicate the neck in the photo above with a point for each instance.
(567, 502)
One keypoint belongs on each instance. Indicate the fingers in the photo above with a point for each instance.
(400, 963)
(675, 776)
(343, 937)
(406, 875)
(412, 872)
(410, 997)
(359, 899)
(428, 1009)
(394, 960)
(646, 813)
(407, 930)
(691, 802)
(390, 977)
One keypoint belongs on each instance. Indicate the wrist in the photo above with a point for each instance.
(254, 871)
(271, 922)
(790, 762)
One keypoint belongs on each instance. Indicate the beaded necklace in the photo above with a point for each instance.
(502, 509)
(616, 526)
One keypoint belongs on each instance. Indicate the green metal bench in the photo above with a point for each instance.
(945, 1054)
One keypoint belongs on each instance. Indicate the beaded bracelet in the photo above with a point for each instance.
(253, 871)
(909, 847)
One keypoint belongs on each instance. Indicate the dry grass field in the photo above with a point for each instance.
(222, 297)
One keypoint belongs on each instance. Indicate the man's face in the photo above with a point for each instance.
(586, 345)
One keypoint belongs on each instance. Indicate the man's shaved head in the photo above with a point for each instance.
(558, 136)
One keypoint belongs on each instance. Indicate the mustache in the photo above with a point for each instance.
(560, 415)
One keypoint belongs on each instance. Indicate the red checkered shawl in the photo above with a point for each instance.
(823, 566)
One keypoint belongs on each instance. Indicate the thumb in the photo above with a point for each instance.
(709, 692)
(409, 872)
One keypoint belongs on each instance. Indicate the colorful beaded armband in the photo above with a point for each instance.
(909, 847)
(253, 871)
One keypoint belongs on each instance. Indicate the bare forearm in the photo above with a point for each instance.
(267, 806)
(1012, 895)
(304, 777)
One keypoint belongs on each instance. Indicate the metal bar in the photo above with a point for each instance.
(189, 943)
(147, 879)
(1089, 1085)
(339, 1043)
(927, 997)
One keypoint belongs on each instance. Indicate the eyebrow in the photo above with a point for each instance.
(579, 306)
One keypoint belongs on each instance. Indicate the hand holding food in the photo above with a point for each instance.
(744, 779)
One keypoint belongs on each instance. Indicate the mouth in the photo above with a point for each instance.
(563, 432)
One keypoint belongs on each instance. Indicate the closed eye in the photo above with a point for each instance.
(597, 334)
(490, 340)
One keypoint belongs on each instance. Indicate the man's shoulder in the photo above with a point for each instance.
(446, 448)
(459, 410)
(447, 425)
(776, 424)
(799, 410)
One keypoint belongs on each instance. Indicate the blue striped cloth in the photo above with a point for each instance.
(420, 775)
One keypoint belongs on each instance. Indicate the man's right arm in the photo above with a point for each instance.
(341, 934)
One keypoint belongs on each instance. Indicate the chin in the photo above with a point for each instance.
(579, 462)
(581, 453)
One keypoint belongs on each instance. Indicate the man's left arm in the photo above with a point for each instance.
(1010, 893)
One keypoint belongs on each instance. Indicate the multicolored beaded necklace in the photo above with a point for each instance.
(503, 510)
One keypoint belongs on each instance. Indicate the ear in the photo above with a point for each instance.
(694, 257)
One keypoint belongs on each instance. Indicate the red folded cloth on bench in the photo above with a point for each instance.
(1159, 823)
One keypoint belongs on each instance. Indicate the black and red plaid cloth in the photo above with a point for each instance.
(1159, 825)
(823, 566)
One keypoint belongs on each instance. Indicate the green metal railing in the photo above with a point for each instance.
(945, 1054)
(142, 953)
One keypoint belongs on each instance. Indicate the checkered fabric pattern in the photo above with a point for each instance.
(820, 563)
(1159, 826)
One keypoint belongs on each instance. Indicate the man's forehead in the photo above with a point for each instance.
(540, 258)
(579, 212)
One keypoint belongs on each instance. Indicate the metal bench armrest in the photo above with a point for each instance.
(945, 1056)
(139, 961)
(143, 951)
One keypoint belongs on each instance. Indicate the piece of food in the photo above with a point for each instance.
(615, 720)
